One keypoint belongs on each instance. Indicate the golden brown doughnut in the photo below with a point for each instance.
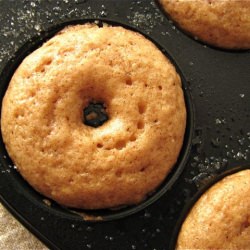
(118, 163)
(221, 217)
(222, 23)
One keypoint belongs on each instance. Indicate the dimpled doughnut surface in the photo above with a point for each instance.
(221, 217)
(117, 163)
(222, 23)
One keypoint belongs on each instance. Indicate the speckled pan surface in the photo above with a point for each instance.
(217, 80)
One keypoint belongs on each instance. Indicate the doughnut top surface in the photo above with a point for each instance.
(221, 217)
(117, 163)
(222, 23)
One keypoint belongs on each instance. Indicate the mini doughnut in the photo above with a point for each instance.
(220, 219)
(46, 105)
(222, 23)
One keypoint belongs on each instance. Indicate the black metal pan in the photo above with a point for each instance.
(216, 86)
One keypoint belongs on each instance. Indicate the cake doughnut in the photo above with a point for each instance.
(221, 217)
(46, 108)
(221, 23)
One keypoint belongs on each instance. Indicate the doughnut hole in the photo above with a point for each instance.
(95, 114)
(95, 102)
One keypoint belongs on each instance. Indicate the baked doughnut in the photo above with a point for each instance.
(222, 23)
(221, 217)
(92, 167)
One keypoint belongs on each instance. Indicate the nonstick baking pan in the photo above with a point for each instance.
(217, 139)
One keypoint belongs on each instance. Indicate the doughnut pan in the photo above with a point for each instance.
(217, 140)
